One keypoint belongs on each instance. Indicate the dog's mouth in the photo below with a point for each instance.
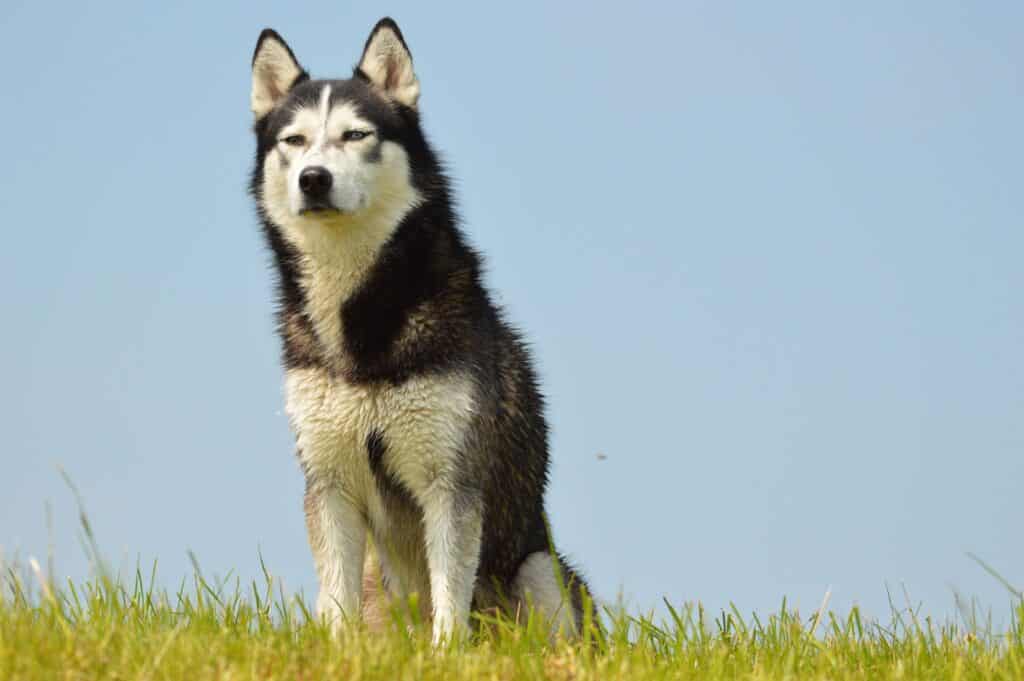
(319, 208)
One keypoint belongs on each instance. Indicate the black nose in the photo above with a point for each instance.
(315, 182)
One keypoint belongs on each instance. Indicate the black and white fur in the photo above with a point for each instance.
(415, 406)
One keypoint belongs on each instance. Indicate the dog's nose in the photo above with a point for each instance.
(315, 182)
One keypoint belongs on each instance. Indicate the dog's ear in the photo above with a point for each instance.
(387, 64)
(275, 71)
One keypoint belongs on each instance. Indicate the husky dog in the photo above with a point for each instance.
(415, 406)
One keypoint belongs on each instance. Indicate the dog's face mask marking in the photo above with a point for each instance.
(332, 156)
(329, 161)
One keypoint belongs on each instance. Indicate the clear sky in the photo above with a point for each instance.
(769, 257)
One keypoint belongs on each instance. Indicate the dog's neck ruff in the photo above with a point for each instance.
(335, 256)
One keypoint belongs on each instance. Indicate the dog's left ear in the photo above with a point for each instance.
(387, 64)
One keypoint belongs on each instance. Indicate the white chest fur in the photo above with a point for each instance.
(331, 271)
(423, 423)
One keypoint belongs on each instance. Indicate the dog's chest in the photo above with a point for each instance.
(422, 423)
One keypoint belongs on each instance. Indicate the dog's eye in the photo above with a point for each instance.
(353, 135)
(294, 140)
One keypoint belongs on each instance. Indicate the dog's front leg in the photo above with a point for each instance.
(337, 537)
(453, 521)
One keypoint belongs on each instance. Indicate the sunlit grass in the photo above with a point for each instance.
(129, 628)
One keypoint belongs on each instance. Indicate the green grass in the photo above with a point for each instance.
(113, 628)
(128, 629)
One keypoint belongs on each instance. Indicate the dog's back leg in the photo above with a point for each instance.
(553, 589)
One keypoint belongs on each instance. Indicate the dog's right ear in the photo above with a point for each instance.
(275, 71)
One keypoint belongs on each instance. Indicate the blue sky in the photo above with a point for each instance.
(769, 258)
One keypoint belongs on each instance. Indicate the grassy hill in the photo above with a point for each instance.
(111, 628)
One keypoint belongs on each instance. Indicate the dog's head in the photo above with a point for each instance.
(332, 153)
